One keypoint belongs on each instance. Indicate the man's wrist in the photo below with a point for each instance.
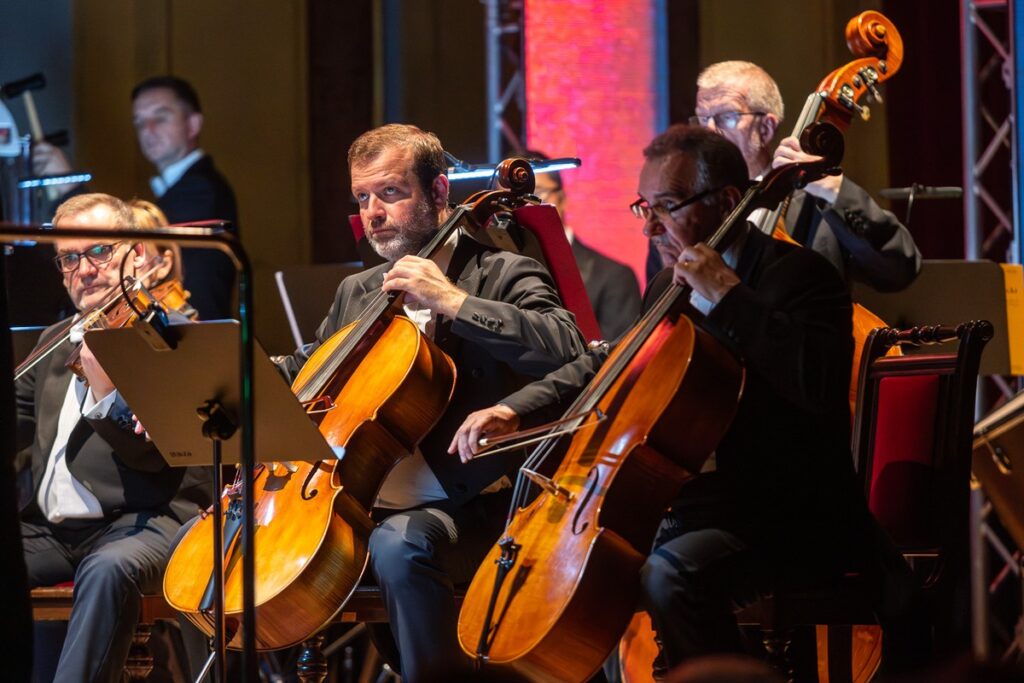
(453, 302)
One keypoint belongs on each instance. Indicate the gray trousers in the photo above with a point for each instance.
(112, 565)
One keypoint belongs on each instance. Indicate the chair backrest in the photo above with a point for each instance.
(913, 435)
(307, 293)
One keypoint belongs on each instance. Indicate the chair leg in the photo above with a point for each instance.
(139, 664)
(778, 646)
(312, 665)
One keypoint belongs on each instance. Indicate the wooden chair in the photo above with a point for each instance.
(53, 603)
(912, 447)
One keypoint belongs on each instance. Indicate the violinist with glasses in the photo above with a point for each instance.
(99, 505)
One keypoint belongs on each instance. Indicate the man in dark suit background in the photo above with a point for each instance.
(778, 503)
(611, 286)
(168, 120)
(102, 503)
(498, 317)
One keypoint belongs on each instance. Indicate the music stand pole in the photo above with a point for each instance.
(217, 427)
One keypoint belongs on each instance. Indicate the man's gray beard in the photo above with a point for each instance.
(410, 237)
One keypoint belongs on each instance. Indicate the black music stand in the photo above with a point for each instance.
(188, 399)
(949, 292)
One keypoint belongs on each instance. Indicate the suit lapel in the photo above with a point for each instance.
(750, 257)
(464, 270)
(55, 380)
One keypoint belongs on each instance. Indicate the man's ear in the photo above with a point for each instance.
(139, 254)
(439, 192)
(194, 122)
(730, 197)
(769, 125)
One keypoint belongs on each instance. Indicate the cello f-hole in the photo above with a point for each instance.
(306, 492)
(593, 478)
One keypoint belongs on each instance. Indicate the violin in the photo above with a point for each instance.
(553, 596)
(113, 311)
(375, 388)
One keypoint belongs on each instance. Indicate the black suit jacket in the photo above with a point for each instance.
(611, 287)
(125, 472)
(202, 193)
(512, 328)
(784, 474)
(860, 238)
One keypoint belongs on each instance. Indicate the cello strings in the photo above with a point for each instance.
(586, 402)
(371, 315)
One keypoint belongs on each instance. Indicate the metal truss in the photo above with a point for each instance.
(506, 78)
(991, 78)
(997, 590)
(988, 75)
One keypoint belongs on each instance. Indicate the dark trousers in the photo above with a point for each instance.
(112, 564)
(418, 558)
(691, 585)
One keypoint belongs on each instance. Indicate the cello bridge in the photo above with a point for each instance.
(319, 405)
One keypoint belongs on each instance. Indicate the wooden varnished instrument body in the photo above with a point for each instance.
(565, 602)
(313, 523)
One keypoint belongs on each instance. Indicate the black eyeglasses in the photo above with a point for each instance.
(641, 209)
(723, 119)
(98, 255)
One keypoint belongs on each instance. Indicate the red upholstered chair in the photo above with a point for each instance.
(912, 445)
(912, 448)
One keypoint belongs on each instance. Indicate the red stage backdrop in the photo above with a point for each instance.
(594, 90)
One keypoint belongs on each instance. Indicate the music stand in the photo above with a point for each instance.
(949, 292)
(199, 381)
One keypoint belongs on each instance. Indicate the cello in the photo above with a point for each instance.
(376, 388)
(876, 43)
(555, 593)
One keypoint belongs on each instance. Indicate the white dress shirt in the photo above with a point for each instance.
(61, 496)
(166, 178)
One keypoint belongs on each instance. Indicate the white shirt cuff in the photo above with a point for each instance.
(97, 410)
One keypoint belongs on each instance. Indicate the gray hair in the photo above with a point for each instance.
(122, 215)
(760, 90)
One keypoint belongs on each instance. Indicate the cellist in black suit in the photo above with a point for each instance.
(778, 503)
(498, 316)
